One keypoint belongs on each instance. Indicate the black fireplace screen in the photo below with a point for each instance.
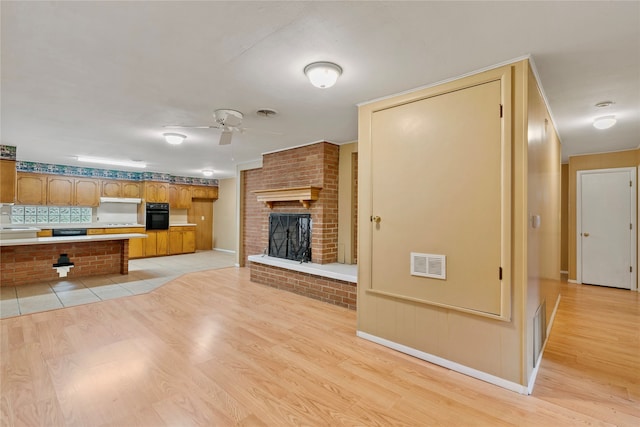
(290, 236)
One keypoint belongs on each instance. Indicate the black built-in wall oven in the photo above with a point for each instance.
(157, 216)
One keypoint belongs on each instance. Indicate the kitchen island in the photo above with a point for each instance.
(30, 260)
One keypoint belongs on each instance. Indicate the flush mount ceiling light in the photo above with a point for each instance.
(128, 163)
(174, 138)
(207, 172)
(604, 122)
(323, 74)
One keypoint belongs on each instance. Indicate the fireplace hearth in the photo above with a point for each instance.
(290, 236)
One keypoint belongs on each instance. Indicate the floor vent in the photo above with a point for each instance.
(428, 265)
(539, 331)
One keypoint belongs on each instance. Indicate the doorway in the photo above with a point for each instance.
(606, 229)
(201, 214)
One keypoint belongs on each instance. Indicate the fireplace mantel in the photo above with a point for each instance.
(304, 195)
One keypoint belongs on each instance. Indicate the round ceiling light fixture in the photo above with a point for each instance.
(207, 172)
(323, 74)
(604, 122)
(174, 138)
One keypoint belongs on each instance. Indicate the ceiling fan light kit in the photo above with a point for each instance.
(174, 138)
(323, 74)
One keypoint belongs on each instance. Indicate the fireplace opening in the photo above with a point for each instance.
(290, 236)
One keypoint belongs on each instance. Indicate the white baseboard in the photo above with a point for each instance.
(564, 272)
(573, 281)
(491, 379)
(224, 250)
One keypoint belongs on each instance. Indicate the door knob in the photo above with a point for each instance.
(376, 219)
(585, 234)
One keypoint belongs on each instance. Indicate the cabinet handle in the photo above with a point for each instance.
(585, 234)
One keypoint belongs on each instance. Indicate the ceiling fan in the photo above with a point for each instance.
(227, 120)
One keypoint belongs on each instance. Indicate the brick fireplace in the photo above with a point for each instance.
(312, 166)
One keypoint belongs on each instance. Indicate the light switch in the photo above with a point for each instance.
(202, 218)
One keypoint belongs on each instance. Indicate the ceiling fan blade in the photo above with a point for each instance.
(225, 137)
(190, 127)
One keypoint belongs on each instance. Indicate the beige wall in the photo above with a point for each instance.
(346, 205)
(620, 159)
(224, 218)
(543, 201)
(564, 219)
(499, 347)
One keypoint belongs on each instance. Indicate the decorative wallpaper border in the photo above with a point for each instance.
(52, 169)
(7, 152)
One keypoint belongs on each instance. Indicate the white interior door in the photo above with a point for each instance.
(606, 234)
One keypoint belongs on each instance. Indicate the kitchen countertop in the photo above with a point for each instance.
(84, 225)
(70, 239)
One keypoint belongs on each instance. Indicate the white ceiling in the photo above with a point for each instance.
(103, 78)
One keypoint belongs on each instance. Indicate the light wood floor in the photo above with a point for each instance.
(212, 348)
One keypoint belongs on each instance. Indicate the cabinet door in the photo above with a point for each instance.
(189, 241)
(179, 196)
(60, 190)
(156, 192)
(87, 192)
(200, 192)
(31, 189)
(111, 188)
(136, 248)
(151, 241)
(7, 181)
(131, 189)
(162, 247)
(175, 242)
(173, 197)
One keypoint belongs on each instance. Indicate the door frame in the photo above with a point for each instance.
(633, 216)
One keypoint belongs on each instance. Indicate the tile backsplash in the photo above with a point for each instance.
(50, 215)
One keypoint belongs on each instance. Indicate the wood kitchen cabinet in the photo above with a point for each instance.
(7, 181)
(31, 189)
(156, 192)
(156, 243)
(113, 188)
(69, 191)
(201, 192)
(179, 196)
(182, 240)
(86, 192)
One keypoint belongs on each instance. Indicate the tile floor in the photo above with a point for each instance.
(144, 275)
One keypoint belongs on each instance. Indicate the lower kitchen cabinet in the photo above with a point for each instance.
(156, 243)
(182, 240)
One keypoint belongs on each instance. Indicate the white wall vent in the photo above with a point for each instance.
(428, 265)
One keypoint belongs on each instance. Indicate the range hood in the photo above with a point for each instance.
(120, 200)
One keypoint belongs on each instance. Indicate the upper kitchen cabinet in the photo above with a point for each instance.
(7, 181)
(31, 189)
(131, 189)
(113, 188)
(201, 192)
(156, 192)
(179, 196)
(86, 192)
(69, 191)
